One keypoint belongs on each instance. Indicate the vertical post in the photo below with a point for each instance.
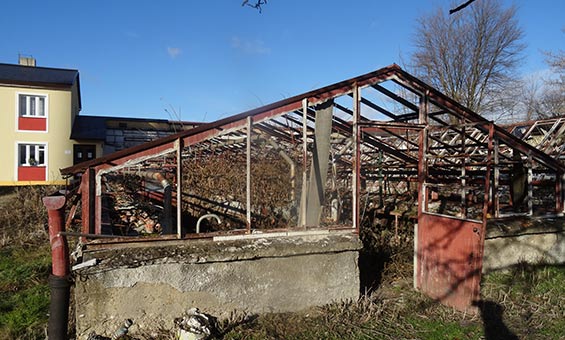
(356, 158)
(463, 190)
(559, 180)
(530, 187)
(558, 192)
(59, 278)
(248, 174)
(463, 174)
(179, 146)
(87, 200)
(303, 200)
(167, 210)
(487, 202)
(422, 205)
(494, 191)
(97, 204)
(381, 176)
(91, 195)
(422, 155)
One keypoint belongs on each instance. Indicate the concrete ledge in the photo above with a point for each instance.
(530, 240)
(153, 285)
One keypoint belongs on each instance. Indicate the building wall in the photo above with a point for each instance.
(56, 137)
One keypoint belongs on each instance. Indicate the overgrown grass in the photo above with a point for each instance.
(23, 215)
(532, 298)
(24, 294)
(25, 263)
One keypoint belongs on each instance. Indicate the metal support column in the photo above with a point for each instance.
(356, 158)
(530, 187)
(487, 205)
(304, 194)
(495, 185)
(179, 144)
(248, 175)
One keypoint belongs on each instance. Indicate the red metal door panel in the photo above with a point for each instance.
(449, 259)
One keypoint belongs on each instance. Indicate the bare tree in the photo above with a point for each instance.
(553, 97)
(470, 57)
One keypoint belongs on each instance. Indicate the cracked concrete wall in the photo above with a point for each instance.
(532, 246)
(281, 275)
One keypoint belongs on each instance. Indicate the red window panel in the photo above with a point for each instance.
(32, 124)
(31, 173)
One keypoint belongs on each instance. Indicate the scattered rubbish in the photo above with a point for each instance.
(194, 326)
(131, 215)
(94, 336)
(123, 330)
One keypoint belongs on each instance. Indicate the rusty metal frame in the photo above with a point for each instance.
(418, 144)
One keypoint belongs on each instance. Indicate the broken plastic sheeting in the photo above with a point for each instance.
(193, 326)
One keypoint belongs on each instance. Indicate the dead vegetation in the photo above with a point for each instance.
(23, 215)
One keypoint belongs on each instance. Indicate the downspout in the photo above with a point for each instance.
(59, 279)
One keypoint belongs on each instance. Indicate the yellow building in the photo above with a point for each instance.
(37, 109)
(41, 130)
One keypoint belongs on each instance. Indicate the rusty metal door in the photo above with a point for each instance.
(448, 259)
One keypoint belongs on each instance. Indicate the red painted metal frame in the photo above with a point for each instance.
(356, 158)
(442, 100)
(213, 129)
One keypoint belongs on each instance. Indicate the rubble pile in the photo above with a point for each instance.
(130, 213)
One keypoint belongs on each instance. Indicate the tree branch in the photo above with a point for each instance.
(257, 5)
(460, 7)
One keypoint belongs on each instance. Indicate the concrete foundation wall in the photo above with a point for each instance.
(152, 286)
(540, 244)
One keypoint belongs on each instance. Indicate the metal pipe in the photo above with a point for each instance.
(203, 217)
(59, 279)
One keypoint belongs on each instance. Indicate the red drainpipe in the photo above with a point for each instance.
(59, 279)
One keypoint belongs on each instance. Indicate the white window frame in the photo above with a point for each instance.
(36, 98)
(29, 145)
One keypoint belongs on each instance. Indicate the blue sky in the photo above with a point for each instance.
(208, 59)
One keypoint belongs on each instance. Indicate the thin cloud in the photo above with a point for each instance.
(250, 46)
(174, 52)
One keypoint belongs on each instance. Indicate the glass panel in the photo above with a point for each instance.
(32, 104)
(41, 107)
(23, 155)
(32, 160)
(22, 105)
(41, 155)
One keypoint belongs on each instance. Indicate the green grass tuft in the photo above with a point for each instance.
(24, 293)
